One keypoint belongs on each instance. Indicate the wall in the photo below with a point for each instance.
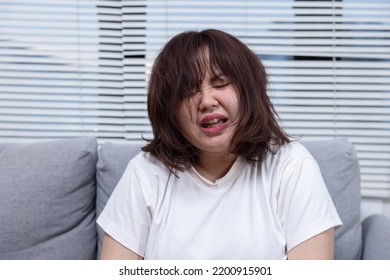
(375, 206)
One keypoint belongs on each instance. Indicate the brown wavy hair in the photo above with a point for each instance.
(177, 74)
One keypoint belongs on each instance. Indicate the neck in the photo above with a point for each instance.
(215, 166)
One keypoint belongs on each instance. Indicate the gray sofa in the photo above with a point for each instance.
(52, 192)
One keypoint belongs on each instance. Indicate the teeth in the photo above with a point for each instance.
(213, 121)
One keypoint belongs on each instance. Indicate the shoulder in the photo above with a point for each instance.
(286, 155)
(291, 167)
(142, 172)
(146, 163)
(146, 176)
(293, 149)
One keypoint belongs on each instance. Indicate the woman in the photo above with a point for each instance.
(220, 179)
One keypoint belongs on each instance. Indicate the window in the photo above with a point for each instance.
(62, 72)
(70, 68)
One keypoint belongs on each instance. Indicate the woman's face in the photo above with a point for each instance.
(208, 118)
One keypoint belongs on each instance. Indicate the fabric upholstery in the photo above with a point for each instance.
(113, 160)
(376, 237)
(340, 170)
(47, 200)
(48, 193)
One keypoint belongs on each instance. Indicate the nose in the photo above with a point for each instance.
(208, 100)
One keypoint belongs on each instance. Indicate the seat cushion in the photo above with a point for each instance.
(47, 200)
(340, 170)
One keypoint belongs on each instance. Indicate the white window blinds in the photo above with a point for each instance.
(61, 70)
(328, 61)
(72, 68)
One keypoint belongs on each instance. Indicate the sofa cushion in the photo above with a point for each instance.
(47, 200)
(112, 162)
(340, 170)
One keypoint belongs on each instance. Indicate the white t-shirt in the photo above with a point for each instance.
(256, 211)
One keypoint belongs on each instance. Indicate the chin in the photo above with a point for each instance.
(215, 149)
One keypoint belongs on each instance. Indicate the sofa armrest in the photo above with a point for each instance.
(376, 237)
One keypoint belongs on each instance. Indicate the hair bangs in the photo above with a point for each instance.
(198, 65)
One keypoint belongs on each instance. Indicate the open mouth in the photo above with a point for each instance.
(213, 123)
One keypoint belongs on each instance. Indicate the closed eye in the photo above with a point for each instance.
(219, 81)
(221, 86)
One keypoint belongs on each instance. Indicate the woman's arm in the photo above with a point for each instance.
(113, 250)
(319, 247)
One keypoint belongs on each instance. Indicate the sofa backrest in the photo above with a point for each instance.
(47, 200)
(112, 162)
(341, 172)
(48, 194)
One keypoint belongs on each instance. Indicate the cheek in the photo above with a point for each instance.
(230, 98)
